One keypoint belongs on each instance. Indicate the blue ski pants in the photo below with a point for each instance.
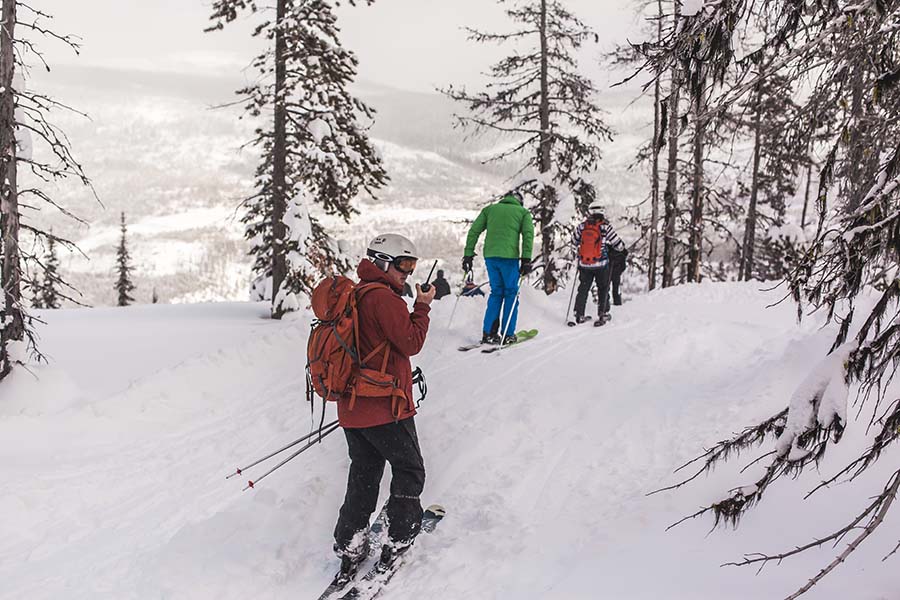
(503, 274)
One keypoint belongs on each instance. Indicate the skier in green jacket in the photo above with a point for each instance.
(506, 222)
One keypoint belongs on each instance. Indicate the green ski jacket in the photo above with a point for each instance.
(505, 222)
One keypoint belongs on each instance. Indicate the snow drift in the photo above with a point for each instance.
(115, 455)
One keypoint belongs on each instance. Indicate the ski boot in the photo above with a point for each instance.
(510, 339)
(490, 338)
(390, 554)
(602, 319)
(352, 556)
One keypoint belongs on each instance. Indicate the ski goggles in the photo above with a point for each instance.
(405, 264)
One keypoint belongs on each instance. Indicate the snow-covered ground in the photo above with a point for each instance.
(114, 457)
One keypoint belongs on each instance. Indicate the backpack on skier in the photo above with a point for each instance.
(590, 250)
(334, 367)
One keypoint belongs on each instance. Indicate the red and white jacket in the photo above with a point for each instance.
(610, 239)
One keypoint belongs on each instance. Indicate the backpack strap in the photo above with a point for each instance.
(358, 293)
(396, 393)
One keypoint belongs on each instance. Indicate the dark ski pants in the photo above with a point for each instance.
(586, 279)
(617, 267)
(370, 447)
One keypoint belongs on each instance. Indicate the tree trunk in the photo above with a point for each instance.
(746, 267)
(671, 193)
(695, 250)
(547, 193)
(14, 327)
(654, 173)
(279, 159)
(806, 197)
(670, 197)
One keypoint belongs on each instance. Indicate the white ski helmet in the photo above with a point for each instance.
(388, 247)
(595, 209)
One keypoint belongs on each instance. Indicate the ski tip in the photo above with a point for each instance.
(436, 509)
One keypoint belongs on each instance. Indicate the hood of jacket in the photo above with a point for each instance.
(369, 273)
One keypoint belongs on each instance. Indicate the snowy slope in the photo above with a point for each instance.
(156, 150)
(114, 458)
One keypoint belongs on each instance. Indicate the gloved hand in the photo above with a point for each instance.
(525, 267)
(467, 263)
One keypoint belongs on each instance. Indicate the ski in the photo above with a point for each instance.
(373, 582)
(522, 337)
(376, 537)
(574, 323)
(468, 347)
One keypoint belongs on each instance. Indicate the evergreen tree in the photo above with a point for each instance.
(648, 241)
(24, 124)
(124, 285)
(769, 116)
(314, 150)
(539, 98)
(857, 241)
(50, 296)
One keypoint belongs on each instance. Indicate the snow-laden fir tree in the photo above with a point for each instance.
(314, 148)
(848, 57)
(646, 247)
(37, 297)
(24, 175)
(771, 119)
(548, 110)
(48, 288)
(124, 286)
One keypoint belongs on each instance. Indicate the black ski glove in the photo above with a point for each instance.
(525, 267)
(467, 263)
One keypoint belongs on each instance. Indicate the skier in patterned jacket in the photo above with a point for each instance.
(593, 240)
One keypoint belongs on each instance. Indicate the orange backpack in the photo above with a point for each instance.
(590, 251)
(333, 364)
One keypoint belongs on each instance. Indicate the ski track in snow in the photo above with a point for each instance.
(543, 455)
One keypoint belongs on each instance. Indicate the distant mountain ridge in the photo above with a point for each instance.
(157, 149)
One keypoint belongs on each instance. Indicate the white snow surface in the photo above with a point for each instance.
(689, 8)
(115, 454)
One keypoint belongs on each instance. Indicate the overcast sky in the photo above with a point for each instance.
(409, 44)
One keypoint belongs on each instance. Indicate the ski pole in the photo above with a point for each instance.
(453, 312)
(291, 445)
(509, 318)
(309, 445)
(571, 295)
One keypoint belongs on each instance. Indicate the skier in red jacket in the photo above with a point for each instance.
(380, 430)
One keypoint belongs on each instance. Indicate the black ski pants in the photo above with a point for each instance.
(370, 447)
(586, 279)
(617, 267)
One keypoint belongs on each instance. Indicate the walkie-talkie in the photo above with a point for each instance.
(427, 286)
